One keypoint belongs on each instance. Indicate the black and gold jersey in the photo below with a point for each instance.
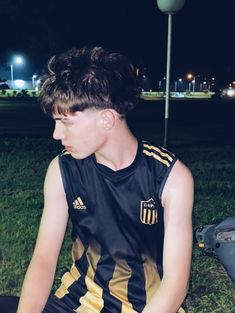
(117, 231)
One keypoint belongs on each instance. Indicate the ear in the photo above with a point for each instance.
(108, 119)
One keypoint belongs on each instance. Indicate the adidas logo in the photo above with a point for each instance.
(78, 204)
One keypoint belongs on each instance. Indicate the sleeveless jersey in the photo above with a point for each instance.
(117, 231)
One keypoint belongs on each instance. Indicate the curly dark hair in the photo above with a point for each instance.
(88, 78)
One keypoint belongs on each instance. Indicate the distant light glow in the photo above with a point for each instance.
(231, 92)
(19, 83)
(18, 60)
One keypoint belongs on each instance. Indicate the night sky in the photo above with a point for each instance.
(202, 38)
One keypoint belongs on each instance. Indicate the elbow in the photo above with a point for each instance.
(177, 285)
(184, 291)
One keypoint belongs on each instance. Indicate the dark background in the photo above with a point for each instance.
(202, 38)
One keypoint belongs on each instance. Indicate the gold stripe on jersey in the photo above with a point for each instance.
(77, 249)
(118, 285)
(61, 292)
(66, 281)
(92, 300)
(162, 152)
(152, 278)
(157, 157)
(70, 277)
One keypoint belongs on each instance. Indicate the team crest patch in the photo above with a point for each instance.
(78, 204)
(148, 212)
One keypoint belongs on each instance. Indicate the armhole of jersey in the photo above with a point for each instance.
(165, 178)
(62, 173)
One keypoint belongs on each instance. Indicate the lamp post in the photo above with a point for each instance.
(16, 60)
(169, 7)
(212, 85)
(189, 77)
(161, 84)
(176, 84)
(192, 80)
(33, 81)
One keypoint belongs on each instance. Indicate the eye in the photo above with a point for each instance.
(67, 122)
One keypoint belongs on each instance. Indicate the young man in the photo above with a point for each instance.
(130, 202)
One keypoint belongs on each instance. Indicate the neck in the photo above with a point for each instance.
(120, 148)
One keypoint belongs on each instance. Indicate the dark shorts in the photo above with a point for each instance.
(55, 305)
(8, 304)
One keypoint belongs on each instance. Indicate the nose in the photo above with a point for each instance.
(58, 133)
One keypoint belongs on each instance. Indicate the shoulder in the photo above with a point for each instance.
(158, 153)
(53, 166)
(180, 175)
(179, 185)
(53, 176)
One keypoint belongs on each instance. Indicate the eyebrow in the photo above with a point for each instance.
(61, 119)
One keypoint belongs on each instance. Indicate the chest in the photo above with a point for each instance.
(130, 205)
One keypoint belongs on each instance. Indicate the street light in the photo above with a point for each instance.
(16, 60)
(192, 79)
(194, 82)
(161, 84)
(33, 81)
(176, 83)
(189, 77)
(169, 7)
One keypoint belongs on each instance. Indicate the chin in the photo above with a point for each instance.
(79, 156)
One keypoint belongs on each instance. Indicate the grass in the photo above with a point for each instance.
(21, 200)
(13, 93)
(210, 288)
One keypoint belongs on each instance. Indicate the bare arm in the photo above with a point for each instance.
(177, 201)
(40, 274)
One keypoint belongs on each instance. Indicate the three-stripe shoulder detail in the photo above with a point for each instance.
(159, 154)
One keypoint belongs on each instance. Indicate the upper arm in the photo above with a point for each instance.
(177, 201)
(55, 215)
